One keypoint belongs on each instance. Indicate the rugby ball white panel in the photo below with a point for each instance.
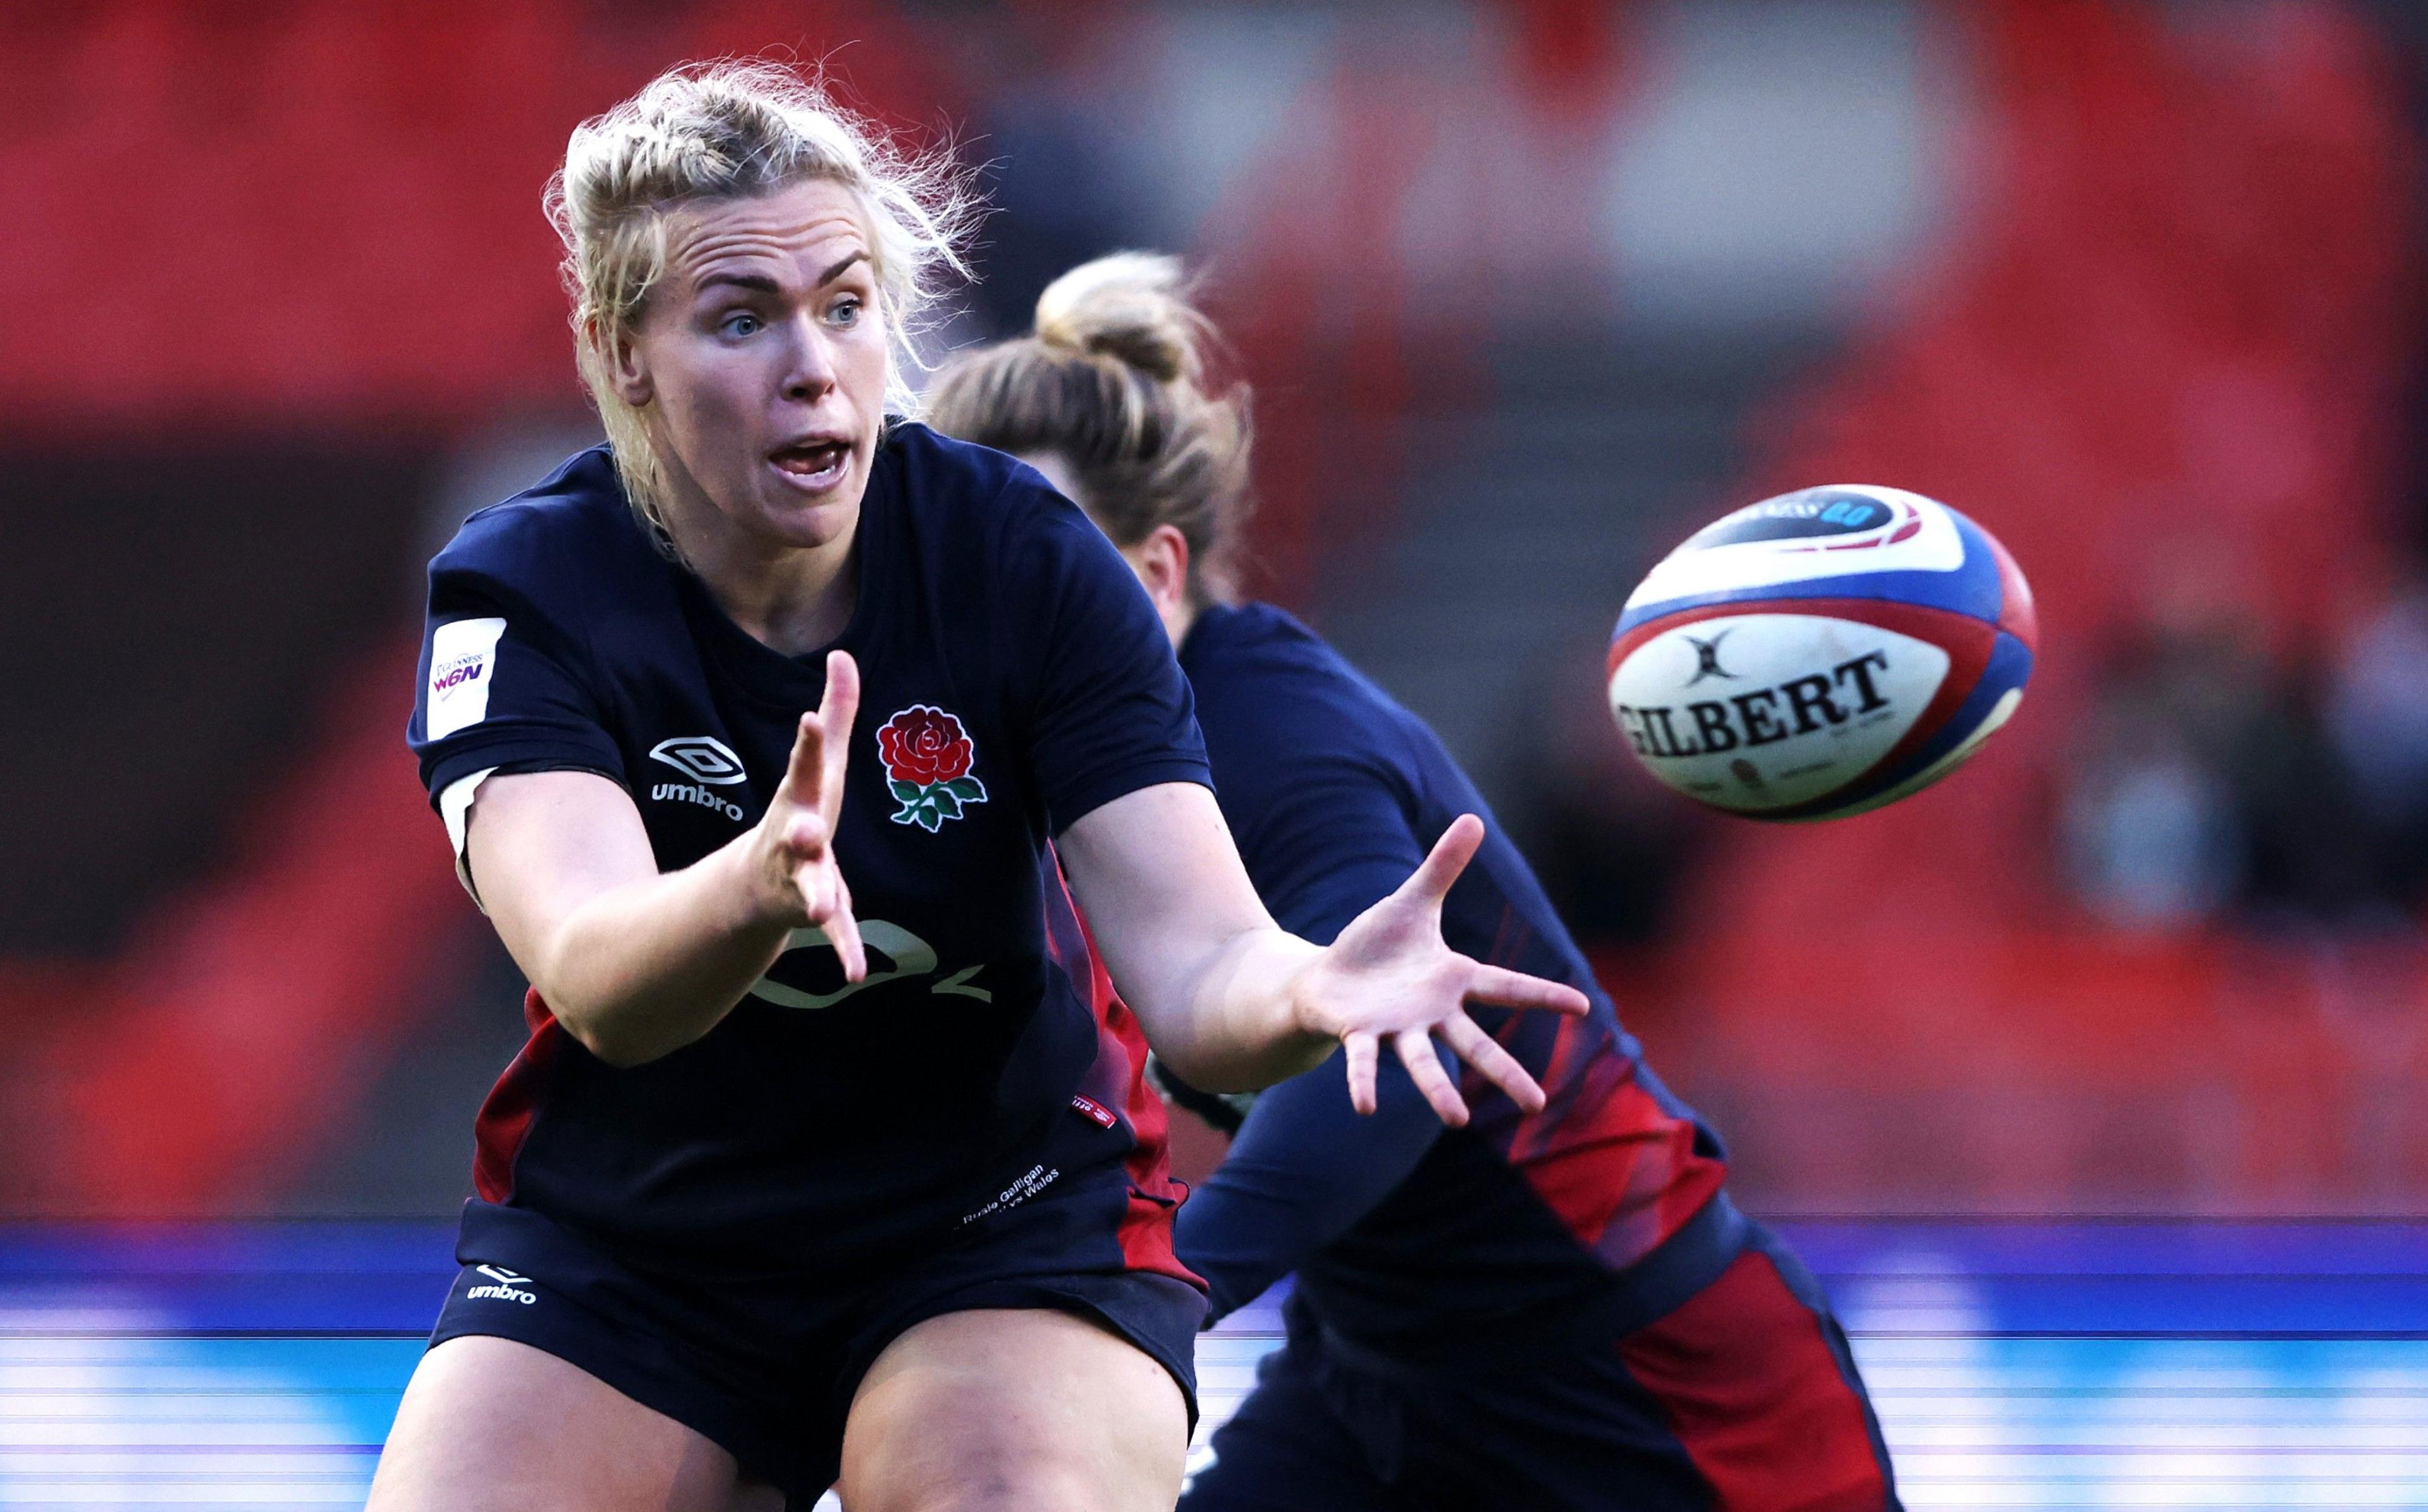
(1789, 540)
(1754, 712)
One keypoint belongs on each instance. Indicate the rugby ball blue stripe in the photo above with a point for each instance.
(2009, 666)
(1973, 588)
(1980, 569)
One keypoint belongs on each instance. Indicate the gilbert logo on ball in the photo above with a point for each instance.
(1822, 653)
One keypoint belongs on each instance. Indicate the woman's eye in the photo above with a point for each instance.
(845, 312)
(739, 323)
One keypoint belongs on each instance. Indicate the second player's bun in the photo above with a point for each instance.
(1131, 306)
(1118, 386)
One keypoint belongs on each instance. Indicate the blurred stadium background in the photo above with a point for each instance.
(2095, 1075)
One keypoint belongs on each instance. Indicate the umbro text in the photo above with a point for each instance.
(687, 792)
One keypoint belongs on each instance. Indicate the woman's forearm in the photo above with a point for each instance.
(636, 963)
(1236, 1027)
(645, 968)
(1210, 974)
(633, 962)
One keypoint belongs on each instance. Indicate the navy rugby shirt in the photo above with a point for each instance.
(1405, 1233)
(1014, 677)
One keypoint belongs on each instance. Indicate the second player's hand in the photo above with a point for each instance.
(1390, 976)
(793, 847)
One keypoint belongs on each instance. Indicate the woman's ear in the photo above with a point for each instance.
(628, 372)
(1163, 566)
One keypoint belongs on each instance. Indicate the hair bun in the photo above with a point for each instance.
(1131, 306)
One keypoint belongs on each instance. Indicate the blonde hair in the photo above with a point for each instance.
(733, 129)
(1114, 380)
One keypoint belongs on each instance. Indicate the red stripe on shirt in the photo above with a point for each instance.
(505, 1118)
(1621, 1170)
(1117, 1080)
(1753, 1392)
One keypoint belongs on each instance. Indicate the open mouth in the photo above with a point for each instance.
(812, 465)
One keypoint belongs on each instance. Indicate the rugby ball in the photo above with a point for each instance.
(1822, 653)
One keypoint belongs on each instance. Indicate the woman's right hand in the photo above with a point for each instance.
(793, 847)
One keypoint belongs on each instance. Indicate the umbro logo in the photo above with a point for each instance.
(701, 758)
(710, 763)
(505, 1286)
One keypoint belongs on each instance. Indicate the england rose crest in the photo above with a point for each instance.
(927, 759)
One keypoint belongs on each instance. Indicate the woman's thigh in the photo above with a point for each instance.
(1014, 1410)
(493, 1424)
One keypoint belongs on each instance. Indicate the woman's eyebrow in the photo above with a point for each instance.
(756, 283)
(762, 283)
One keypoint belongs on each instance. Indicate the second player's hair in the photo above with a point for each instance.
(727, 130)
(1114, 383)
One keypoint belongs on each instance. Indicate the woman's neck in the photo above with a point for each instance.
(793, 599)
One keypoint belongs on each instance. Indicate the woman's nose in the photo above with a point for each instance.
(812, 370)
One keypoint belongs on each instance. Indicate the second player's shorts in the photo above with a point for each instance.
(766, 1367)
(1742, 1398)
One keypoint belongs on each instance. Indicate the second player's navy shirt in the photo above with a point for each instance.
(1405, 1235)
(1013, 678)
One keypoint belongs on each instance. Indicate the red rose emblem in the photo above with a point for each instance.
(928, 758)
(923, 746)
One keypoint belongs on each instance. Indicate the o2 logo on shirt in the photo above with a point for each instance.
(900, 956)
(928, 757)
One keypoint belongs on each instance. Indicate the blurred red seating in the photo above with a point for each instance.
(2174, 322)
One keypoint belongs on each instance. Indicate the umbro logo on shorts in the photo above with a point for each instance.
(505, 1286)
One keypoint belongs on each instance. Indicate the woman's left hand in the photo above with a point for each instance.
(1390, 976)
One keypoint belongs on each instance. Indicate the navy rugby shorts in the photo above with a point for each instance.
(766, 1367)
(1740, 1399)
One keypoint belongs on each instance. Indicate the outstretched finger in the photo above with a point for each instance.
(1449, 855)
(1361, 1053)
(812, 881)
(805, 771)
(836, 711)
(1516, 989)
(843, 933)
(1415, 1050)
(1493, 1063)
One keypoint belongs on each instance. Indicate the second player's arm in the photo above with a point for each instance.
(1330, 838)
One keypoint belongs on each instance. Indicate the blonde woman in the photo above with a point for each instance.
(1555, 1307)
(757, 732)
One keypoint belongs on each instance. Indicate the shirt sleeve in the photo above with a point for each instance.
(500, 686)
(1325, 836)
(1108, 709)
(1306, 1166)
(1318, 803)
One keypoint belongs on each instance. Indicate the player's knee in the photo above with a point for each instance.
(1031, 1483)
(1033, 1494)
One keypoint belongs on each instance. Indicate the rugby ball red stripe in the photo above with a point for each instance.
(2016, 614)
(1968, 642)
(1917, 619)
